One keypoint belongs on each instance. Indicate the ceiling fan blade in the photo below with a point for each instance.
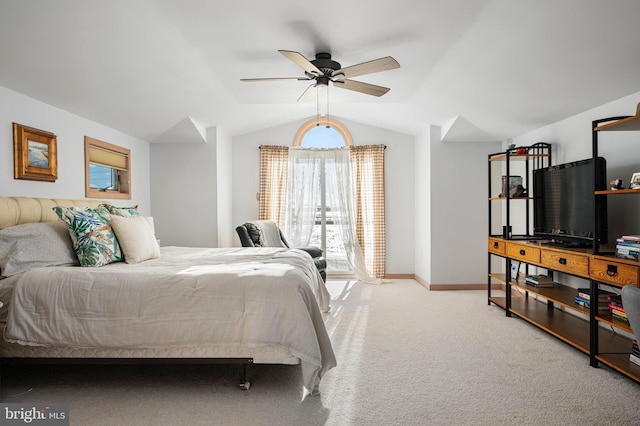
(308, 93)
(273, 79)
(358, 86)
(377, 65)
(301, 61)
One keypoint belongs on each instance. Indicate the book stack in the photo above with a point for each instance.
(635, 353)
(616, 308)
(583, 299)
(539, 280)
(628, 247)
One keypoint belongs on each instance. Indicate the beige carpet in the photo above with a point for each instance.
(406, 356)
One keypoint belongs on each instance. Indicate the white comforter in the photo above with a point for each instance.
(189, 296)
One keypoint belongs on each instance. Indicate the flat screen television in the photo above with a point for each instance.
(564, 203)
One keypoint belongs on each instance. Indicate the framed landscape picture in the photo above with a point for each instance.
(35, 155)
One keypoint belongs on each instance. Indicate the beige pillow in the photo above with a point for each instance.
(136, 237)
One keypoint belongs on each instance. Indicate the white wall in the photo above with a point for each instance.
(399, 176)
(184, 192)
(70, 130)
(422, 204)
(226, 229)
(459, 210)
(571, 139)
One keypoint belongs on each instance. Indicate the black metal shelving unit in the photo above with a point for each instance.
(534, 157)
(600, 351)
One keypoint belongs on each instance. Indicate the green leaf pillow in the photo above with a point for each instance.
(94, 241)
(121, 211)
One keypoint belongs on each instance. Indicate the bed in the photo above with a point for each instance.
(185, 304)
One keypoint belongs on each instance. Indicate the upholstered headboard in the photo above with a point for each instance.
(18, 210)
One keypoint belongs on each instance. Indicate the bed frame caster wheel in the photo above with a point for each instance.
(245, 386)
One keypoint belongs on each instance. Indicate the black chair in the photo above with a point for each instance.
(249, 235)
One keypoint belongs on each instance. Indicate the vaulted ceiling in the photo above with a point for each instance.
(482, 69)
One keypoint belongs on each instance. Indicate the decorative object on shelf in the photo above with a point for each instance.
(521, 151)
(515, 270)
(520, 192)
(35, 155)
(635, 181)
(616, 184)
(515, 182)
(507, 232)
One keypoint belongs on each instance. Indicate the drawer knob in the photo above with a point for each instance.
(522, 252)
(495, 244)
(562, 261)
(612, 270)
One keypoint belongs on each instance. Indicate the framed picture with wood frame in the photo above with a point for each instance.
(35, 154)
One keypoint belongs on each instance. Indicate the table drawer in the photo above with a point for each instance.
(523, 252)
(613, 272)
(497, 246)
(576, 264)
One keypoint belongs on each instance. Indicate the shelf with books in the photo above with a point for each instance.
(619, 362)
(585, 324)
(615, 270)
(628, 247)
(606, 318)
(559, 294)
(508, 179)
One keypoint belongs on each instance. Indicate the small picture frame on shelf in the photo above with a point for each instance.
(513, 185)
(515, 270)
(635, 181)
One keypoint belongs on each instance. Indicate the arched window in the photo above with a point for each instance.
(326, 132)
(322, 211)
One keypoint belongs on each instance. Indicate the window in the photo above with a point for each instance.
(107, 170)
(326, 133)
(337, 134)
(322, 137)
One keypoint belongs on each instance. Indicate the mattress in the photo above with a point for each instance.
(261, 303)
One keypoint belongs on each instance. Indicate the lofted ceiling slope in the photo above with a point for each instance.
(156, 69)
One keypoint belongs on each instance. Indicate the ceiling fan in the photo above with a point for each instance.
(323, 70)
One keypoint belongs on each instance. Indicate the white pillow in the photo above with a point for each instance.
(136, 237)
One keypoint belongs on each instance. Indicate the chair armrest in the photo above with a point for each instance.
(243, 233)
(312, 250)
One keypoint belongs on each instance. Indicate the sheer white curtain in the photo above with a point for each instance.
(306, 168)
(302, 196)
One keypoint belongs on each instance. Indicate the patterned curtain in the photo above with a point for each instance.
(274, 163)
(368, 186)
(368, 192)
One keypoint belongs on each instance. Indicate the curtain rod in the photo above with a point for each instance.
(260, 147)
